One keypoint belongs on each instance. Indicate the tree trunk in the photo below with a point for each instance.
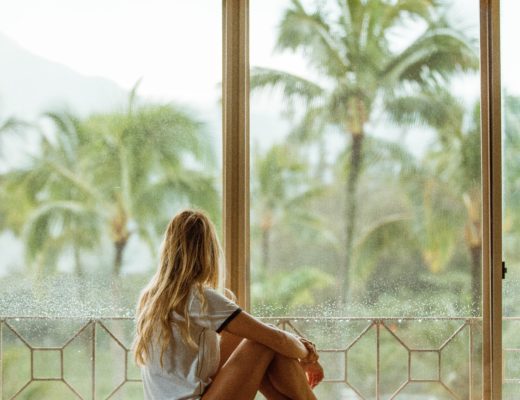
(118, 259)
(78, 269)
(356, 157)
(476, 279)
(266, 233)
(322, 161)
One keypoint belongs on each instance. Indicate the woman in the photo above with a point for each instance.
(194, 343)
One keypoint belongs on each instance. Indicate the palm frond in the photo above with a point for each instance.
(311, 126)
(393, 14)
(435, 107)
(75, 180)
(12, 123)
(302, 30)
(379, 237)
(47, 222)
(440, 51)
(132, 98)
(293, 88)
(386, 155)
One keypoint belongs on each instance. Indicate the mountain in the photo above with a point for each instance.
(30, 85)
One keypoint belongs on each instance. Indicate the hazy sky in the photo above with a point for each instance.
(175, 45)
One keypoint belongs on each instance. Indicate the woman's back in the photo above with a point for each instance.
(179, 317)
(186, 370)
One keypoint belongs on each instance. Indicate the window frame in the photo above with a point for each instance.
(236, 214)
(491, 139)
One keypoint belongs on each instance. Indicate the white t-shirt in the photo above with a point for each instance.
(187, 372)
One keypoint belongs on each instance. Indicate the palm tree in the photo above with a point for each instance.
(113, 174)
(281, 190)
(349, 47)
(386, 227)
(283, 194)
(455, 164)
(144, 177)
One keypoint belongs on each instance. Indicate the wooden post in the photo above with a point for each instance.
(235, 103)
(492, 198)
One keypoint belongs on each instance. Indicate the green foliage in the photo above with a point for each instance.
(286, 291)
(109, 176)
(361, 74)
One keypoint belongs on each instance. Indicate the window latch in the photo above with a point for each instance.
(504, 270)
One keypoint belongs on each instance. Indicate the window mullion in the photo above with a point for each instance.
(492, 198)
(235, 126)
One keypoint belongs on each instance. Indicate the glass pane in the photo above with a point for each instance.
(365, 189)
(109, 124)
(510, 62)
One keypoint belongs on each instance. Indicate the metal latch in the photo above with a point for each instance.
(504, 270)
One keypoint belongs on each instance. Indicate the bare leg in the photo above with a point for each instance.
(269, 391)
(228, 344)
(250, 367)
(240, 377)
(288, 378)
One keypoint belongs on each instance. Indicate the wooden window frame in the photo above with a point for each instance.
(491, 198)
(235, 123)
(235, 130)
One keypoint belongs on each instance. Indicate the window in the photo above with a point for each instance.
(371, 174)
(110, 123)
(365, 190)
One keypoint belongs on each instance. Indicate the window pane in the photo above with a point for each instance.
(109, 124)
(510, 62)
(365, 189)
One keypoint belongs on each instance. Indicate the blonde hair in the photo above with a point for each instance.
(190, 258)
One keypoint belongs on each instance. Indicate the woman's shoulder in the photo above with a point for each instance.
(208, 298)
(212, 309)
(209, 293)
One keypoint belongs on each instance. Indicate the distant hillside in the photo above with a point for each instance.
(30, 84)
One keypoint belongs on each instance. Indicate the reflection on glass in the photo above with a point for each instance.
(365, 187)
(109, 124)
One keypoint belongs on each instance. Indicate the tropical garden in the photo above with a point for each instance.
(368, 207)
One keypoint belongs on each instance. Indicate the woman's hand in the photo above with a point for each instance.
(314, 372)
(312, 355)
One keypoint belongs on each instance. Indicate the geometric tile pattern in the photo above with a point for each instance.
(511, 353)
(48, 364)
(375, 327)
(95, 362)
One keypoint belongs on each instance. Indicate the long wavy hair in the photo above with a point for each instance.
(190, 258)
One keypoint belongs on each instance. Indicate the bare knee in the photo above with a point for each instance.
(241, 375)
(256, 347)
(284, 372)
(280, 363)
(250, 348)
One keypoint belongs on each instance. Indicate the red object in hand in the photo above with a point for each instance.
(314, 373)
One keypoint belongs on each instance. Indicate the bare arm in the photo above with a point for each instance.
(284, 343)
